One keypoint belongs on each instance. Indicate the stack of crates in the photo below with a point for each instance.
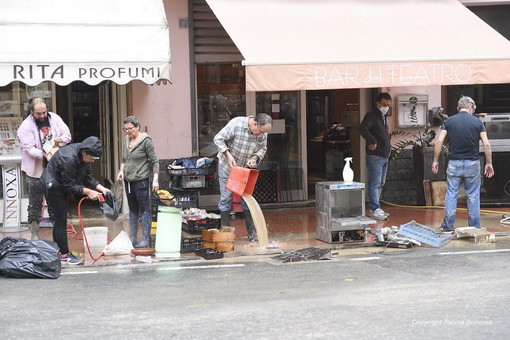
(190, 244)
(194, 225)
(185, 175)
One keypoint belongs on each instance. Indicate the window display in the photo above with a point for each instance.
(15, 96)
(221, 96)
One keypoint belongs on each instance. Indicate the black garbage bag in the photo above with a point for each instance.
(28, 259)
(110, 206)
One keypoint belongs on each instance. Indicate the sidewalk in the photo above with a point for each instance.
(288, 229)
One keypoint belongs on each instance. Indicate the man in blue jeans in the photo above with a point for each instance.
(374, 130)
(242, 142)
(464, 132)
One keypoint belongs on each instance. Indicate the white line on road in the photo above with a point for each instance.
(166, 268)
(203, 267)
(475, 252)
(365, 258)
(78, 273)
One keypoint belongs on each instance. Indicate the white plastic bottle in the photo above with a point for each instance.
(348, 174)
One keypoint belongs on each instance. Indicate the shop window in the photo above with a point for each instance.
(15, 96)
(221, 96)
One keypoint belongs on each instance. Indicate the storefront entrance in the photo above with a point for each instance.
(95, 111)
(332, 126)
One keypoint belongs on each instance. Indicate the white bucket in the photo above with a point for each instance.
(96, 237)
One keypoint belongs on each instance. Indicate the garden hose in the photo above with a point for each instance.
(505, 219)
(71, 230)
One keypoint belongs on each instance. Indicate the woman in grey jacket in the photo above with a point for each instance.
(139, 162)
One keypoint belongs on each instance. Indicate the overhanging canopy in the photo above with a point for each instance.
(94, 40)
(331, 44)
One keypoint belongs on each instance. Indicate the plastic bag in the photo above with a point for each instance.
(120, 245)
(110, 206)
(27, 259)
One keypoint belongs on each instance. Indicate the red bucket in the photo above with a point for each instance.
(241, 180)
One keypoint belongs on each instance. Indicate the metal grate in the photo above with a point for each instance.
(306, 254)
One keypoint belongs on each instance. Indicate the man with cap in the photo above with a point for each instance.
(67, 170)
(39, 126)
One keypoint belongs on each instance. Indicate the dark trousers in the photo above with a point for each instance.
(138, 196)
(58, 201)
(35, 199)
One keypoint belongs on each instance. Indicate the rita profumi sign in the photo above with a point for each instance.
(49, 72)
(89, 73)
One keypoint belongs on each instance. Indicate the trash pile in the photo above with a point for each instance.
(29, 259)
(410, 234)
(198, 213)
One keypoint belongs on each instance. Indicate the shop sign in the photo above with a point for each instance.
(12, 199)
(391, 75)
(321, 76)
(33, 74)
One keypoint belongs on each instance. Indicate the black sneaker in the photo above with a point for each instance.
(445, 231)
(70, 259)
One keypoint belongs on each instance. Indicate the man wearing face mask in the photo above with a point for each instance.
(374, 129)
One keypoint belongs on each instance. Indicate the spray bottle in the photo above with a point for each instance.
(348, 174)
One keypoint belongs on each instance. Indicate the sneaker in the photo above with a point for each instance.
(378, 214)
(70, 259)
(384, 212)
(445, 231)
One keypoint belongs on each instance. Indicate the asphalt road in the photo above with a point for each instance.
(425, 294)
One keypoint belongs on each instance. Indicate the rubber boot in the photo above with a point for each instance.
(34, 228)
(133, 226)
(225, 218)
(146, 230)
(250, 227)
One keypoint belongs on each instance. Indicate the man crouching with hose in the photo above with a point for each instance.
(64, 174)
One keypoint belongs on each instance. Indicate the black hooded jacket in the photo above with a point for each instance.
(66, 171)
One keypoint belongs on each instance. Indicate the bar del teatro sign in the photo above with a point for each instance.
(295, 76)
(89, 73)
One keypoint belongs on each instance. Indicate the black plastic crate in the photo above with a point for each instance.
(195, 226)
(189, 177)
(189, 167)
(186, 200)
(190, 244)
(193, 182)
(209, 254)
(157, 202)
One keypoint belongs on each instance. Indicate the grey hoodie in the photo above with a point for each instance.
(142, 161)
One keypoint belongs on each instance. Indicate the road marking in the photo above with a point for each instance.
(79, 273)
(168, 268)
(204, 267)
(365, 258)
(475, 252)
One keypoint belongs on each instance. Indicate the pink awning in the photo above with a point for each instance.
(331, 44)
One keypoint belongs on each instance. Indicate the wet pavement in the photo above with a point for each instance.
(289, 229)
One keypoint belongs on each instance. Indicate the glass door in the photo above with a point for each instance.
(281, 177)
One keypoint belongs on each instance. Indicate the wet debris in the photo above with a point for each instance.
(306, 254)
(479, 234)
(388, 238)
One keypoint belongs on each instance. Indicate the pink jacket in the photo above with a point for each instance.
(31, 149)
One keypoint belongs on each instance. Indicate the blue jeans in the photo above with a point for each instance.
(377, 167)
(460, 171)
(225, 203)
